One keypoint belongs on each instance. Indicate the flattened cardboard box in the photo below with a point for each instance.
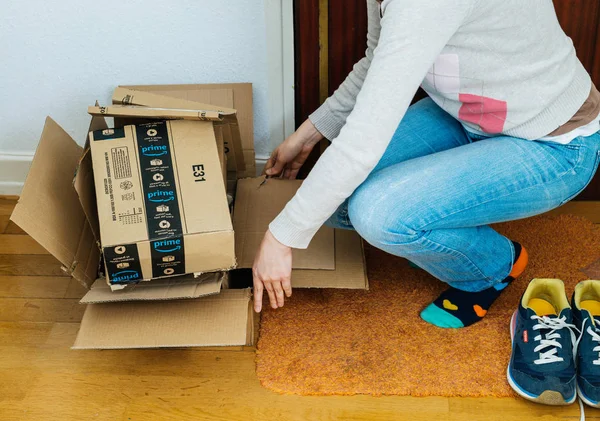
(334, 258)
(161, 199)
(214, 320)
(60, 213)
(180, 287)
(155, 113)
(240, 99)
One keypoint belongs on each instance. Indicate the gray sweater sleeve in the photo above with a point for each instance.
(413, 33)
(330, 117)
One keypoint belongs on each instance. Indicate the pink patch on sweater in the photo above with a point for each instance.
(488, 113)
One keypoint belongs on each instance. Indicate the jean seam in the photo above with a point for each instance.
(453, 252)
(578, 160)
(587, 183)
(557, 179)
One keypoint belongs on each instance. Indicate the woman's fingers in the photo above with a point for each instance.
(276, 167)
(271, 292)
(287, 287)
(258, 294)
(293, 173)
(277, 290)
(270, 162)
(278, 293)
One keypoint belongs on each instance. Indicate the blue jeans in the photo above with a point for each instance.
(437, 187)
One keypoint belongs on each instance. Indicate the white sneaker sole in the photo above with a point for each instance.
(585, 399)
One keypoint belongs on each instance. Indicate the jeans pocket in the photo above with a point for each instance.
(595, 165)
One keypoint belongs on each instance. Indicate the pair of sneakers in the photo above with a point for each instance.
(556, 345)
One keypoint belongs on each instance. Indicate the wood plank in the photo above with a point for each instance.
(586, 209)
(190, 385)
(7, 204)
(75, 289)
(323, 50)
(347, 38)
(15, 388)
(34, 286)
(596, 66)
(306, 35)
(20, 244)
(24, 334)
(490, 409)
(307, 67)
(592, 192)
(579, 19)
(12, 228)
(40, 310)
(29, 265)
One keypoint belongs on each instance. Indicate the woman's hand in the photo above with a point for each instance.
(272, 270)
(288, 158)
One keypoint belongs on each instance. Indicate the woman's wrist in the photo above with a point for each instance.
(309, 133)
(270, 237)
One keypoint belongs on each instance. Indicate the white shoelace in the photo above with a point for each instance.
(549, 342)
(595, 338)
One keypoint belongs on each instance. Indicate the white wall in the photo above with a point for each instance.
(56, 58)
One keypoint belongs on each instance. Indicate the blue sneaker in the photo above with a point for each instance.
(542, 364)
(586, 308)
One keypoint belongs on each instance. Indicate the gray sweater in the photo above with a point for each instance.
(498, 66)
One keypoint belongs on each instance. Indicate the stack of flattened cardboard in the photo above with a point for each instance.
(335, 257)
(60, 212)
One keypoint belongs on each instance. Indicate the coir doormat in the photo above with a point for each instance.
(343, 342)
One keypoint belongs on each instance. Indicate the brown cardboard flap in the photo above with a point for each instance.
(258, 201)
(232, 164)
(236, 141)
(84, 187)
(84, 180)
(220, 100)
(242, 102)
(350, 266)
(221, 150)
(249, 156)
(215, 320)
(85, 266)
(49, 209)
(155, 113)
(181, 287)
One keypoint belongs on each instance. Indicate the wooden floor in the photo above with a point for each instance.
(42, 379)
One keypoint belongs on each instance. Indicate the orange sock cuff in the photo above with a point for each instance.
(520, 264)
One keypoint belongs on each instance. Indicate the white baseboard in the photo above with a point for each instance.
(13, 171)
(260, 164)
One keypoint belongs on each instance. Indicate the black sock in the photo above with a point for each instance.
(455, 308)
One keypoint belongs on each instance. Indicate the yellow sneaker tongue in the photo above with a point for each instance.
(541, 307)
